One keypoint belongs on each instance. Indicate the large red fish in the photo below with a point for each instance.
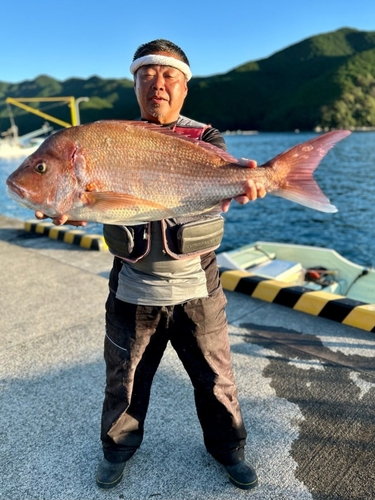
(131, 172)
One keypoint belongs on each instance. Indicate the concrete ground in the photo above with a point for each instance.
(306, 386)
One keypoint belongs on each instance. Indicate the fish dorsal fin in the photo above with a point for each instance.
(154, 127)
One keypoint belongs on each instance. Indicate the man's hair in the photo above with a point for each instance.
(160, 45)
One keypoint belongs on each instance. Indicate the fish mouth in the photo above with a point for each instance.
(19, 195)
(14, 190)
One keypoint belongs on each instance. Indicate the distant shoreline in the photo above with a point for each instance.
(297, 131)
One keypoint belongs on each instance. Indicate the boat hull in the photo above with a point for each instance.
(345, 292)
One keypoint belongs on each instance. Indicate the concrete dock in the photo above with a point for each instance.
(306, 386)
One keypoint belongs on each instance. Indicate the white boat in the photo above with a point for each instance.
(311, 279)
(10, 149)
(14, 146)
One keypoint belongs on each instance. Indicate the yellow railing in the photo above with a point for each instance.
(19, 101)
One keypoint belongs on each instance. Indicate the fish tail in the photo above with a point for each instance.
(296, 167)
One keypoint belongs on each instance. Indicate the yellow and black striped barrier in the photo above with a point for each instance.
(67, 235)
(318, 303)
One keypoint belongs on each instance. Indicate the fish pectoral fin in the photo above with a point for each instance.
(109, 200)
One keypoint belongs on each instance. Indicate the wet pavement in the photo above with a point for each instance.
(306, 386)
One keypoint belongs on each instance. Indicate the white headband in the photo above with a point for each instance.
(162, 61)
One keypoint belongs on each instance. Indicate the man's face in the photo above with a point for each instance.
(160, 91)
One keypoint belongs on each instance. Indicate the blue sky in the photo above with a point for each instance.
(81, 38)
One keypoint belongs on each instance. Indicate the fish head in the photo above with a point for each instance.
(45, 180)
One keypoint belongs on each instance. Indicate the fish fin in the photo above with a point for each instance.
(299, 164)
(109, 200)
(155, 127)
(307, 200)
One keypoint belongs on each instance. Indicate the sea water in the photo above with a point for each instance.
(346, 175)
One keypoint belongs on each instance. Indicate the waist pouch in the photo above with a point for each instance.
(192, 238)
(131, 243)
(128, 242)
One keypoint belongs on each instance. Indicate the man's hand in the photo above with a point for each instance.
(253, 191)
(60, 220)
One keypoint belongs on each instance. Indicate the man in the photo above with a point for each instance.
(160, 292)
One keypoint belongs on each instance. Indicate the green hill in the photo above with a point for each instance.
(325, 81)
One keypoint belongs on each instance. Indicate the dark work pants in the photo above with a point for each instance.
(136, 337)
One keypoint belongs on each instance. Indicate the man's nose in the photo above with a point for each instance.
(159, 82)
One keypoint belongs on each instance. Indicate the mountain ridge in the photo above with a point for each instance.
(322, 82)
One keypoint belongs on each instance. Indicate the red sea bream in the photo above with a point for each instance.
(125, 172)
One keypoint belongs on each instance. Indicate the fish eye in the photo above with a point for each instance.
(40, 168)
